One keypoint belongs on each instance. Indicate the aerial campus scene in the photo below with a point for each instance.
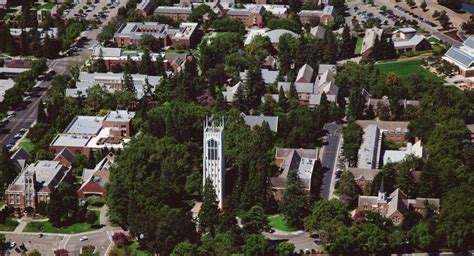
(236, 127)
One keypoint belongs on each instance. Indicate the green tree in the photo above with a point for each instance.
(63, 207)
(256, 245)
(352, 135)
(455, 222)
(347, 186)
(327, 211)
(255, 221)
(423, 6)
(146, 65)
(356, 106)
(285, 249)
(209, 214)
(295, 202)
(422, 235)
(184, 248)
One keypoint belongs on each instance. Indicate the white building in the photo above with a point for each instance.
(369, 151)
(394, 156)
(213, 156)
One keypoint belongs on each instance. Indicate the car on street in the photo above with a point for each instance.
(40, 235)
(10, 145)
(17, 136)
(12, 244)
(23, 130)
(84, 238)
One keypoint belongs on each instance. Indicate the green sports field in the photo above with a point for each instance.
(405, 68)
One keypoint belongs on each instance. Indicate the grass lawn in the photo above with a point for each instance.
(9, 225)
(405, 68)
(279, 222)
(47, 227)
(27, 145)
(358, 47)
(48, 6)
(134, 250)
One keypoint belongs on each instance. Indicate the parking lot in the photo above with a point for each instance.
(99, 10)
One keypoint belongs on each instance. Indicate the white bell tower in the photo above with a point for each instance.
(213, 156)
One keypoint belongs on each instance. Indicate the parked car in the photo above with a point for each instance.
(10, 145)
(12, 244)
(84, 238)
(17, 136)
(23, 130)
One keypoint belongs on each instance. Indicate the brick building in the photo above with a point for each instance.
(94, 180)
(313, 17)
(87, 134)
(249, 16)
(35, 184)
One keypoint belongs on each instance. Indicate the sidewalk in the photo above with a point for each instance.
(21, 226)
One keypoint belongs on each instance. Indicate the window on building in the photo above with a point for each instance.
(396, 220)
(212, 149)
(17, 199)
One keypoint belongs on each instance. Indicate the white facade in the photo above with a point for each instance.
(213, 156)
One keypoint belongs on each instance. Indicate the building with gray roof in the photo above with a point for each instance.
(268, 76)
(111, 82)
(253, 121)
(35, 183)
(369, 39)
(462, 57)
(368, 156)
(286, 159)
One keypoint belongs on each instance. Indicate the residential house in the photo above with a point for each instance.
(95, 180)
(231, 92)
(407, 40)
(318, 32)
(268, 76)
(309, 93)
(384, 101)
(462, 57)
(369, 39)
(253, 121)
(87, 134)
(34, 184)
(286, 159)
(396, 204)
(111, 82)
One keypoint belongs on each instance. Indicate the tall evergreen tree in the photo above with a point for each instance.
(330, 47)
(254, 87)
(295, 202)
(282, 101)
(210, 213)
(347, 48)
(356, 104)
(146, 66)
(128, 81)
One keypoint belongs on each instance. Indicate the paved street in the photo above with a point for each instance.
(329, 157)
(25, 118)
(300, 239)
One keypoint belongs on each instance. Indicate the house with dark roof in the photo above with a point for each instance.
(20, 159)
(95, 180)
(364, 177)
(396, 204)
(286, 159)
(65, 157)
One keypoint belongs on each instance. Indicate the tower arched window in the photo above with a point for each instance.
(212, 149)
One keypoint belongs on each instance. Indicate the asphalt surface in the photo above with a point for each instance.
(329, 157)
(300, 239)
(433, 30)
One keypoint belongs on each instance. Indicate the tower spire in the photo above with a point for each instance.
(382, 198)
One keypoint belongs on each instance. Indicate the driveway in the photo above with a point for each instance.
(300, 239)
(329, 157)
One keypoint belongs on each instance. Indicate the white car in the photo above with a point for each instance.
(12, 244)
(84, 238)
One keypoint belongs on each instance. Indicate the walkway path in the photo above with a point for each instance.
(21, 226)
